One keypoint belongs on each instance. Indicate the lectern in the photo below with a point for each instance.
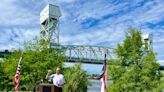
(48, 88)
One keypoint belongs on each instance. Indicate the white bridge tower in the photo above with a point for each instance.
(49, 21)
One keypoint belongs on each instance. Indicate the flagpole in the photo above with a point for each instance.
(20, 60)
(105, 75)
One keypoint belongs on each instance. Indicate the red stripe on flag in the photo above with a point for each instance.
(17, 78)
(103, 77)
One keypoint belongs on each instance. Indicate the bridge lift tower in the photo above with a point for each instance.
(148, 41)
(49, 21)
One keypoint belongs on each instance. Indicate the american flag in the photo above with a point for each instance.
(103, 77)
(17, 75)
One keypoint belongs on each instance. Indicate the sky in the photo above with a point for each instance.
(83, 22)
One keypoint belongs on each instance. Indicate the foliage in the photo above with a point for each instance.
(136, 68)
(37, 59)
(1, 76)
(8, 70)
(76, 79)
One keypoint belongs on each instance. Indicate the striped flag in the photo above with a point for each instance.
(17, 75)
(103, 77)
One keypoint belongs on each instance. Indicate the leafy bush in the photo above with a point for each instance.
(76, 79)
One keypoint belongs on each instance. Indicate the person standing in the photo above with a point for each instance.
(57, 79)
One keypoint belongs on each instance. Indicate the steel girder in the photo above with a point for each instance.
(87, 54)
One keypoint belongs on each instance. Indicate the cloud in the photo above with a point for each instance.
(92, 22)
(95, 37)
(12, 14)
(99, 23)
(18, 23)
(14, 38)
(59, 1)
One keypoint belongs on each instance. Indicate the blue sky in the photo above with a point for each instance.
(83, 22)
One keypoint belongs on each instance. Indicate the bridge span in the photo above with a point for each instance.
(80, 53)
(87, 53)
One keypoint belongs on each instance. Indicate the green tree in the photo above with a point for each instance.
(8, 70)
(136, 68)
(76, 79)
(37, 59)
(1, 76)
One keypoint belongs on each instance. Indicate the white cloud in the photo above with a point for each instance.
(152, 15)
(11, 14)
(17, 23)
(65, 1)
(160, 60)
(15, 38)
(59, 1)
(111, 29)
(95, 37)
(112, 21)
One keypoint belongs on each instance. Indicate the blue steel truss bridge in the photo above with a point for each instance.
(87, 53)
(81, 53)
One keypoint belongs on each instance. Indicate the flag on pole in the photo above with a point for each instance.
(103, 77)
(17, 75)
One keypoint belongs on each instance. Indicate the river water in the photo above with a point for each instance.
(95, 85)
(89, 68)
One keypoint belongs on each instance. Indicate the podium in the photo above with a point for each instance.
(48, 88)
